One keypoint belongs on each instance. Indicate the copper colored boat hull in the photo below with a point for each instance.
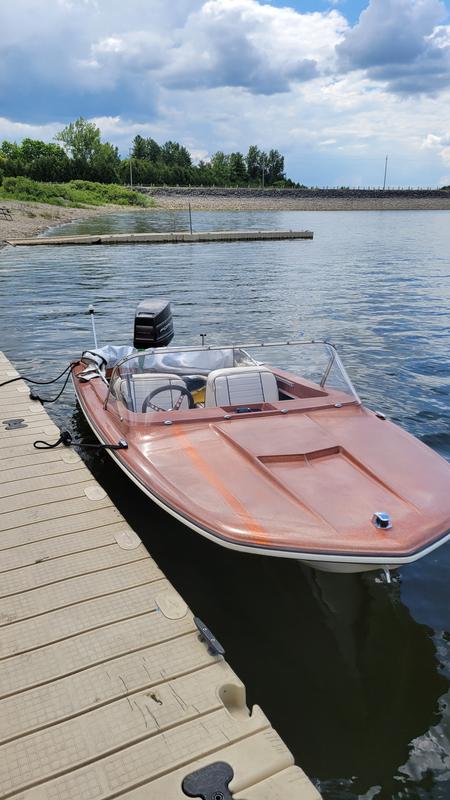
(298, 480)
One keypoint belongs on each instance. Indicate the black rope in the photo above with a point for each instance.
(34, 396)
(67, 440)
(40, 383)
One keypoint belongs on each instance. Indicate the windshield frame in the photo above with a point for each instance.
(334, 358)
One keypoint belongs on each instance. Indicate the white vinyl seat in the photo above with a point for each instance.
(136, 387)
(240, 385)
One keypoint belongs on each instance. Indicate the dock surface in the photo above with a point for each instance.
(161, 238)
(105, 689)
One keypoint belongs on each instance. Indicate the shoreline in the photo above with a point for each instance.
(31, 219)
(179, 202)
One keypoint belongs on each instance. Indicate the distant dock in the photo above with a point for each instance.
(161, 238)
(106, 690)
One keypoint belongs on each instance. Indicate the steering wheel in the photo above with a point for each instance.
(181, 389)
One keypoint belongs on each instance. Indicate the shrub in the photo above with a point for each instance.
(75, 193)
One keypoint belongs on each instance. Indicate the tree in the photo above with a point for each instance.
(253, 161)
(146, 148)
(52, 164)
(84, 156)
(10, 149)
(139, 149)
(105, 163)
(274, 167)
(153, 150)
(31, 149)
(238, 169)
(81, 140)
(174, 154)
(220, 165)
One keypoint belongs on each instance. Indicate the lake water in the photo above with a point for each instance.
(353, 674)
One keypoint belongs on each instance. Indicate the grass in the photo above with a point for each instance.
(75, 194)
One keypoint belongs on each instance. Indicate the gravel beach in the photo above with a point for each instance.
(28, 219)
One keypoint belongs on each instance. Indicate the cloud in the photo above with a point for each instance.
(62, 63)
(400, 43)
(439, 144)
(221, 74)
(223, 43)
(257, 47)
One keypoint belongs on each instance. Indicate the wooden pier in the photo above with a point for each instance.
(105, 689)
(161, 238)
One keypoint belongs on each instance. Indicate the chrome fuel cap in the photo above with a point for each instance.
(381, 520)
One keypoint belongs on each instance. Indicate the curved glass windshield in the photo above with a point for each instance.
(255, 375)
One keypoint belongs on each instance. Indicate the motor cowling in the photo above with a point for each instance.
(153, 324)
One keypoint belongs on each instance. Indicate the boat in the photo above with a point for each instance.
(282, 461)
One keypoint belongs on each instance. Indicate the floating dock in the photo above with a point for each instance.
(105, 688)
(162, 238)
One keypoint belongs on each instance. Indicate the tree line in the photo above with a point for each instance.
(79, 153)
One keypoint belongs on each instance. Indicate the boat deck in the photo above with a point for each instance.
(105, 689)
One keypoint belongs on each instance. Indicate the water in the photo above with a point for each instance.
(352, 673)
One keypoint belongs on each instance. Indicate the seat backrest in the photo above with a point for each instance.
(136, 387)
(240, 385)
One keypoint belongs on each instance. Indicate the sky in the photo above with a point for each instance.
(335, 85)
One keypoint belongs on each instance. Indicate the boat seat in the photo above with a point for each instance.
(240, 385)
(136, 387)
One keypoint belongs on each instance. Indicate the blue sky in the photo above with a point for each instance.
(350, 8)
(334, 84)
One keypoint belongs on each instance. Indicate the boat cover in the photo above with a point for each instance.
(195, 362)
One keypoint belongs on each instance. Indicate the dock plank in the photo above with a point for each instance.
(49, 529)
(105, 688)
(76, 590)
(65, 622)
(96, 686)
(86, 650)
(92, 557)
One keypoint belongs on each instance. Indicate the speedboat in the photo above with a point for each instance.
(279, 460)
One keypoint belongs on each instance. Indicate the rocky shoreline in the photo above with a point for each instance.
(29, 219)
(239, 199)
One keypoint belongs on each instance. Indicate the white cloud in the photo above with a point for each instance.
(400, 43)
(222, 74)
(439, 144)
(16, 131)
(228, 43)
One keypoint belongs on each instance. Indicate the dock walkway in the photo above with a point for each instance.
(105, 689)
(161, 238)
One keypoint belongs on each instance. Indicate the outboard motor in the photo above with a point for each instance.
(153, 324)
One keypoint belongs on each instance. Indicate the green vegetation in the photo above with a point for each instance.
(171, 164)
(79, 154)
(73, 193)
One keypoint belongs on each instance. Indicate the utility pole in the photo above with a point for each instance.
(131, 168)
(385, 172)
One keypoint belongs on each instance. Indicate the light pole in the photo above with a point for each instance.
(263, 168)
(385, 172)
(131, 167)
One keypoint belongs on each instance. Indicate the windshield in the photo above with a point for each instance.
(176, 378)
